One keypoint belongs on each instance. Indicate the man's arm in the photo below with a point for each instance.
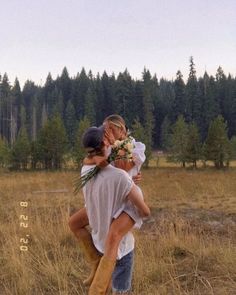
(136, 199)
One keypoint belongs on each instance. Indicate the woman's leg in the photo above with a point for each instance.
(78, 221)
(119, 227)
(77, 224)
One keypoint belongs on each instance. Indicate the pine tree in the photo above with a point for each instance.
(80, 88)
(53, 143)
(138, 131)
(89, 107)
(210, 105)
(21, 150)
(6, 108)
(124, 96)
(4, 153)
(49, 95)
(179, 104)
(108, 95)
(192, 98)
(217, 143)
(233, 148)
(148, 109)
(70, 123)
(18, 101)
(163, 106)
(36, 154)
(65, 86)
(79, 152)
(193, 148)
(221, 91)
(166, 134)
(179, 141)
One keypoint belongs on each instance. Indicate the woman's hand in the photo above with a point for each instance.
(109, 138)
(100, 161)
(137, 178)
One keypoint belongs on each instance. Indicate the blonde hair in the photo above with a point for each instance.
(118, 121)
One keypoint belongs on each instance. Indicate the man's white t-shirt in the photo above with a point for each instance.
(104, 195)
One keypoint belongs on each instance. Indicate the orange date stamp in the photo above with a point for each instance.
(24, 224)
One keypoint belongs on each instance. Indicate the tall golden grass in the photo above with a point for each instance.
(186, 247)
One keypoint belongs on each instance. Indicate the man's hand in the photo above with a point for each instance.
(137, 178)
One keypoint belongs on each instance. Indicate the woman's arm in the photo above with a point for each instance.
(124, 164)
(136, 199)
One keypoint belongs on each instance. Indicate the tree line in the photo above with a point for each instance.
(33, 116)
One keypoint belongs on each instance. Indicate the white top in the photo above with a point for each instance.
(138, 158)
(104, 195)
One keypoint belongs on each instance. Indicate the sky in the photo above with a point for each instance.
(38, 37)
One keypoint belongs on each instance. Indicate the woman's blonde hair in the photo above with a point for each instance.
(117, 120)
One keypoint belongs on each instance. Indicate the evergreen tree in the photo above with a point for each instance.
(49, 95)
(36, 154)
(166, 134)
(221, 91)
(179, 104)
(53, 143)
(138, 131)
(65, 86)
(108, 95)
(179, 141)
(89, 107)
(193, 148)
(233, 110)
(100, 100)
(124, 96)
(29, 92)
(79, 152)
(70, 123)
(217, 143)
(4, 153)
(210, 104)
(137, 107)
(18, 100)
(148, 109)
(6, 108)
(80, 88)
(163, 106)
(233, 148)
(231, 105)
(21, 150)
(192, 98)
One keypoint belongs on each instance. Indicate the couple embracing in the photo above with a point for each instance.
(113, 206)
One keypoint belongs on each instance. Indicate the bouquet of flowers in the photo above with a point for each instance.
(121, 150)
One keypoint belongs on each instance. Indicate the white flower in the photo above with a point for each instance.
(129, 146)
(117, 143)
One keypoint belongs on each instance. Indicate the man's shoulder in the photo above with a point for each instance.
(111, 170)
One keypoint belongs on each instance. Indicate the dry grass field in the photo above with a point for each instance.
(188, 246)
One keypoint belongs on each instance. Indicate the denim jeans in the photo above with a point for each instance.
(122, 274)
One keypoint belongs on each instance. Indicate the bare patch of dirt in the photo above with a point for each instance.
(200, 220)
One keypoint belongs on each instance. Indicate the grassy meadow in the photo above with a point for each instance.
(187, 246)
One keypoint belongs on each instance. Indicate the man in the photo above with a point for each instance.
(104, 195)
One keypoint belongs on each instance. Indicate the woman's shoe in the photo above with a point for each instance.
(91, 254)
(102, 277)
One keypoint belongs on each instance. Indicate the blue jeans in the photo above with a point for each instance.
(122, 274)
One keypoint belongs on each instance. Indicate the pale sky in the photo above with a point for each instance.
(42, 36)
